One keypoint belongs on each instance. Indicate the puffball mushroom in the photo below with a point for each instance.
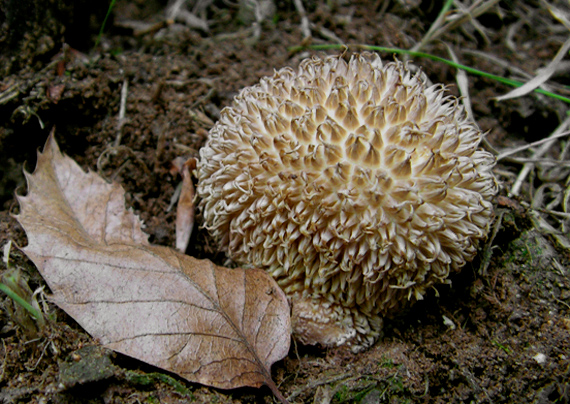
(355, 185)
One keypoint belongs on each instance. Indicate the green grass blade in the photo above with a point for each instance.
(503, 80)
(104, 22)
(22, 302)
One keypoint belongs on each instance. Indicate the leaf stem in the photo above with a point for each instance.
(275, 390)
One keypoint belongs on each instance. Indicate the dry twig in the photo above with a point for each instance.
(539, 153)
(304, 20)
(176, 11)
(462, 84)
(507, 153)
(122, 112)
(316, 383)
(446, 22)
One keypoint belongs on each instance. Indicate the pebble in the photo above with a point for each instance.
(540, 358)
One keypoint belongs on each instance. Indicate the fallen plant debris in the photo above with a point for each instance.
(185, 207)
(212, 325)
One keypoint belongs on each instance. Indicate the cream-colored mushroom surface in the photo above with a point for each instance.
(354, 184)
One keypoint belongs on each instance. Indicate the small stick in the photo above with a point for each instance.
(320, 382)
(122, 112)
(462, 84)
(304, 20)
(533, 144)
(539, 153)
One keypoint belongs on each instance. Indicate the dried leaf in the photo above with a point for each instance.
(539, 79)
(185, 208)
(213, 325)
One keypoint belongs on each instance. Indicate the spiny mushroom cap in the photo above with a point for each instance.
(354, 184)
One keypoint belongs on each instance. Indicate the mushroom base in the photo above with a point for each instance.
(319, 322)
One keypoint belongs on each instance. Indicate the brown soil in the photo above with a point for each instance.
(500, 335)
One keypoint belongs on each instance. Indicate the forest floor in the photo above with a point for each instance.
(498, 333)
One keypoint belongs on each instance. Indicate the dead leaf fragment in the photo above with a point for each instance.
(185, 208)
(539, 79)
(54, 92)
(213, 325)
